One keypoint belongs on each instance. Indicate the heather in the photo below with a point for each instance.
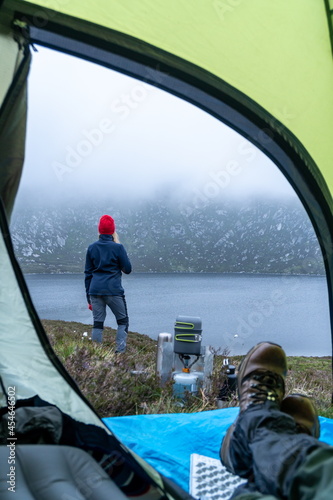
(126, 384)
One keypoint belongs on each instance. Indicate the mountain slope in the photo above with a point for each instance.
(263, 237)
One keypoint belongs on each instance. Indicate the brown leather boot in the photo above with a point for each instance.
(260, 378)
(261, 375)
(303, 411)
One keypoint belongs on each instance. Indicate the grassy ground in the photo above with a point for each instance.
(126, 384)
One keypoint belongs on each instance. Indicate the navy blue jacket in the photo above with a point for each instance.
(105, 260)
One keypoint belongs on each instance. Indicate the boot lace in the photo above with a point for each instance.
(266, 387)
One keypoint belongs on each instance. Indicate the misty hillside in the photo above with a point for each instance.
(265, 237)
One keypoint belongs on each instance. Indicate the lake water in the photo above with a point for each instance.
(236, 310)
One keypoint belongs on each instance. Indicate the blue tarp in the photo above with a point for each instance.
(167, 441)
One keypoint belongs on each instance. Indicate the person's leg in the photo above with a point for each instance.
(260, 378)
(267, 446)
(248, 491)
(274, 448)
(117, 304)
(99, 314)
(314, 479)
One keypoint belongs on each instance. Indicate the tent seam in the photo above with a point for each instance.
(329, 14)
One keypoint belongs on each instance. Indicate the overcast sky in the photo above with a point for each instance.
(94, 131)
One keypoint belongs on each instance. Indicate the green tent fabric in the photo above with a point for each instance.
(13, 98)
(263, 68)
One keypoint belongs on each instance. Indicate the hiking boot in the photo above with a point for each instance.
(303, 411)
(261, 375)
(260, 378)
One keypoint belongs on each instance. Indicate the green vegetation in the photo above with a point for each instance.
(126, 384)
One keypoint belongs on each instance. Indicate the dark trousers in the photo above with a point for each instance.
(117, 304)
(266, 447)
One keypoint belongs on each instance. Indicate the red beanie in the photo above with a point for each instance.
(106, 225)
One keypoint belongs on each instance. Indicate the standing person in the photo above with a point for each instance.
(106, 259)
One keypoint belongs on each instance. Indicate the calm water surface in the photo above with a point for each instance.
(237, 310)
